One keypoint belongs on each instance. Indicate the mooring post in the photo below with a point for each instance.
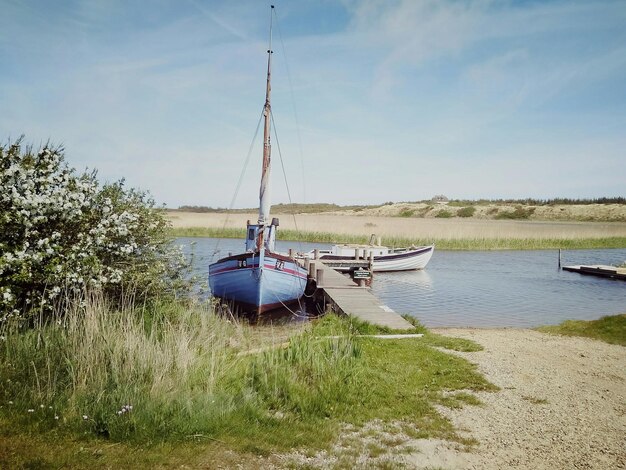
(307, 261)
(357, 253)
(312, 270)
(316, 253)
(559, 258)
(371, 261)
(291, 252)
(320, 277)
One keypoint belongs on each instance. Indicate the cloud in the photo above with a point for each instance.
(461, 92)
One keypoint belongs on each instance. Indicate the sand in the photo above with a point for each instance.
(561, 405)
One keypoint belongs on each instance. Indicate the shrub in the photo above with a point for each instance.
(518, 213)
(466, 211)
(61, 232)
(444, 214)
(406, 212)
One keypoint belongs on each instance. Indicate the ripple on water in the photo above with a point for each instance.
(482, 288)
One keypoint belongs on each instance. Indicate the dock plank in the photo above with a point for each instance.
(349, 299)
(598, 270)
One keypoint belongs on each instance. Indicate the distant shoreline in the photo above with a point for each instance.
(573, 211)
(447, 234)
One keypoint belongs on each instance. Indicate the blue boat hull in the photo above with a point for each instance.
(258, 281)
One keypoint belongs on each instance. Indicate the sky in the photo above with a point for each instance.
(373, 100)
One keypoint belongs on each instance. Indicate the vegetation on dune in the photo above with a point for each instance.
(292, 208)
(467, 211)
(444, 214)
(295, 208)
(540, 202)
(610, 329)
(516, 214)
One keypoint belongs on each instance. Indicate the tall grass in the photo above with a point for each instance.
(166, 362)
(164, 372)
(469, 243)
(171, 372)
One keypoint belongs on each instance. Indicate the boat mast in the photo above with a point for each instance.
(264, 194)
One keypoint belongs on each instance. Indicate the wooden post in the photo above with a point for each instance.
(316, 253)
(371, 261)
(307, 262)
(357, 253)
(312, 270)
(320, 277)
(559, 258)
(361, 282)
(291, 252)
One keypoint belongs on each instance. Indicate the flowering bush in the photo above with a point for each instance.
(61, 232)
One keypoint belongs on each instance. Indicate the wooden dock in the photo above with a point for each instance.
(344, 296)
(599, 270)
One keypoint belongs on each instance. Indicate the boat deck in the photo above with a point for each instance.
(343, 296)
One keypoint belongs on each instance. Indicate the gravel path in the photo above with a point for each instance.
(562, 405)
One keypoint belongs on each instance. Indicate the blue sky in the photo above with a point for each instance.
(374, 100)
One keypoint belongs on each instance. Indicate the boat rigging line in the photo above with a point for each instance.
(282, 164)
(239, 182)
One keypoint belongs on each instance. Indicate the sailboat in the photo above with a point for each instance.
(260, 279)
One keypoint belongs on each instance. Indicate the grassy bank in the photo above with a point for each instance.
(442, 243)
(610, 329)
(174, 384)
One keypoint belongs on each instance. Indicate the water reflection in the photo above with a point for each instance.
(419, 280)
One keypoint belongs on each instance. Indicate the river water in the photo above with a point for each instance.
(478, 288)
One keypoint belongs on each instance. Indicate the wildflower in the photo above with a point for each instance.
(56, 417)
(85, 417)
(30, 410)
(125, 409)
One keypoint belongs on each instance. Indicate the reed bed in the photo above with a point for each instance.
(484, 243)
(447, 234)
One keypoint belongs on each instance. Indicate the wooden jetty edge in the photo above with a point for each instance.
(345, 297)
(598, 270)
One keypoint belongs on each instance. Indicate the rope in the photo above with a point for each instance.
(282, 164)
(239, 182)
(292, 312)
